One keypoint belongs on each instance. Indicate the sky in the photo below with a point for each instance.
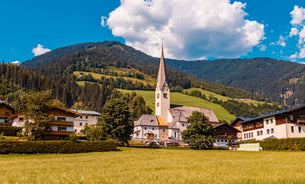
(188, 29)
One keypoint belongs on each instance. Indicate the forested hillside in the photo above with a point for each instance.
(275, 80)
(15, 80)
(99, 57)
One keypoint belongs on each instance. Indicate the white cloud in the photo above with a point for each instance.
(103, 21)
(298, 15)
(191, 29)
(298, 29)
(40, 50)
(293, 32)
(262, 47)
(15, 62)
(281, 41)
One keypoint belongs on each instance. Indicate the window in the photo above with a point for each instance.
(86, 117)
(300, 129)
(182, 124)
(163, 130)
(61, 118)
(164, 95)
(153, 128)
(267, 121)
(261, 132)
(257, 133)
(157, 104)
(6, 114)
(75, 130)
(20, 119)
(144, 128)
(271, 120)
(292, 129)
(158, 95)
(81, 117)
(80, 124)
(291, 117)
(86, 124)
(268, 131)
(272, 130)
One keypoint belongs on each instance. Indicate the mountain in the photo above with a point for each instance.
(101, 57)
(278, 81)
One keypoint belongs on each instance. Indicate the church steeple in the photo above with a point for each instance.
(162, 93)
(161, 73)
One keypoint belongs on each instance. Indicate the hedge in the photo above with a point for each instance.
(289, 144)
(32, 147)
(9, 130)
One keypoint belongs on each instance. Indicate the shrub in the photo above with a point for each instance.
(290, 144)
(32, 147)
(9, 130)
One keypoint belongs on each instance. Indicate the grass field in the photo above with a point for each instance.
(182, 99)
(150, 166)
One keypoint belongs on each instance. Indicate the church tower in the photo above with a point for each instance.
(162, 94)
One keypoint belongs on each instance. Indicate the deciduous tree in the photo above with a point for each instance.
(199, 133)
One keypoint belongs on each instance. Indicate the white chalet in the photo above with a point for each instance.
(85, 118)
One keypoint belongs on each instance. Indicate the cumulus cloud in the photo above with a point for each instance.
(281, 41)
(191, 29)
(298, 29)
(40, 50)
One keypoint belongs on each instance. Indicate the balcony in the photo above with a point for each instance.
(60, 123)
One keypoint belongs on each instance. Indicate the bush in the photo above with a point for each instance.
(290, 144)
(32, 147)
(9, 130)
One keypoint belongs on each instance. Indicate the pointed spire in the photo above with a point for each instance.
(161, 74)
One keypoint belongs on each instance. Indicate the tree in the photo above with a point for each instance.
(93, 132)
(116, 120)
(36, 108)
(199, 133)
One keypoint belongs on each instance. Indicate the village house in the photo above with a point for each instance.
(86, 118)
(5, 112)
(286, 123)
(59, 128)
(168, 123)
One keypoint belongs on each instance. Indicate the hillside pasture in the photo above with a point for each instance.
(182, 99)
(223, 98)
(152, 166)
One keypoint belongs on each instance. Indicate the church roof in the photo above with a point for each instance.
(147, 120)
(183, 112)
(161, 121)
(161, 73)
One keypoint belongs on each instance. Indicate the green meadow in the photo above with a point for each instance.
(182, 99)
(152, 166)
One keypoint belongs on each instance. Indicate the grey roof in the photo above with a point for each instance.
(147, 120)
(183, 112)
(83, 112)
(283, 111)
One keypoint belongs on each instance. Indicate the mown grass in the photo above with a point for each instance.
(182, 99)
(152, 166)
(223, 98)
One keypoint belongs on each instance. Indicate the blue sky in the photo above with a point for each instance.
(190, 29)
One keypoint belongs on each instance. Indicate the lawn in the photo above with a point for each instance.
(131, 165)
(182, 99)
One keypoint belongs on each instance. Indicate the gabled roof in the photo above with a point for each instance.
(147, 120)
(283, 111)
(6, 105)
(73, 113)
(83, 112)
(226, 125)
(183, 112)
(161, 121)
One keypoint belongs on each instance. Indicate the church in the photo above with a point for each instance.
(168, 123)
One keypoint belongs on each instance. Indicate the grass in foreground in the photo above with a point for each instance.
(155, 166)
